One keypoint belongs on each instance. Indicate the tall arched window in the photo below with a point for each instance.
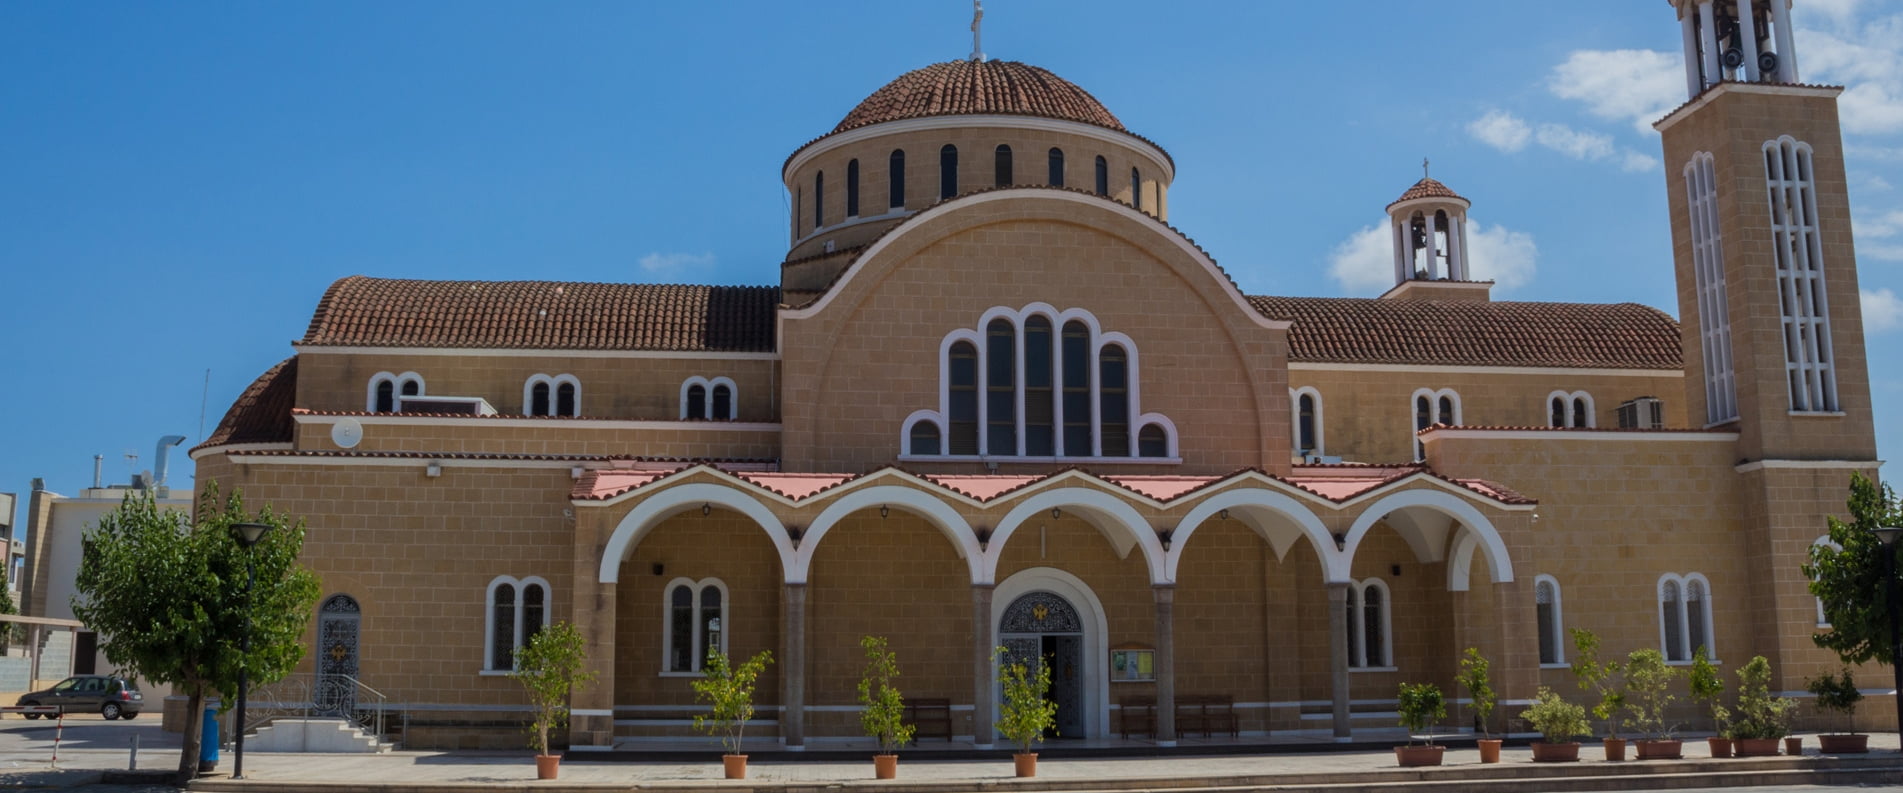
(1307, 429)
(963, 400)
(948, 171)
(852, 189)
(1077, 407)
(517, 610)
(1113, 389)
(1685, 617)
(1056, 167)
(1103, 176)
(1001, 167)
(1551, 619)
(1040, 407)
(1136, 189)
(696, 621)
(1798, 245)
(895, 179)
(819, 199)
(1369, 636)
(1430, 408)
(1001, 393)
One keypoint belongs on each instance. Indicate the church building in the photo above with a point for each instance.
(996, 397)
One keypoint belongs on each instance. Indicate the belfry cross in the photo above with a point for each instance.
(977, 38)
(1423, 167)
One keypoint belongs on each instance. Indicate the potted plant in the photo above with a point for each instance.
(1473, 677)
(884, 716)
(1761, 718)
(1559, 722)
(1603, 678)
(549, 667)
(1706, 686)
(1421, 707)
(1838, 693)
(1648, 683)
(1025, 715)
(728, 690)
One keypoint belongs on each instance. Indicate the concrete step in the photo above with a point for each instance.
(330, 736)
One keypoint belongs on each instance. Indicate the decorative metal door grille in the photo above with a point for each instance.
(336, 690)
(1040, 612)
(1039, 628)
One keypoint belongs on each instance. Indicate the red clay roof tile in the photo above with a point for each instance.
(1460, 333)
(1427, 188)
(957, 88)
(262, 414)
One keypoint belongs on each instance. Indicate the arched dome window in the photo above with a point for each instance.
(852, 189)
(1001, 166)
(1103, 176)
(895, 179)
(1057, 167)
(819, 199)
(1136, 188)
(948, 171)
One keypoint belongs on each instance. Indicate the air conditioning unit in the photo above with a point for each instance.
(455, 406)
(1644, 413)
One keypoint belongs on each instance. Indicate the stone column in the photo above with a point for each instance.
(1688, 31)
(1433, 246)
(1402, 251)
(983, 686)
(1748, 36)
(1786, 48)
(591, 714)
(1338, 656)
(1165, 664)
(1708, 27)
(793, 668)
(1456, 248)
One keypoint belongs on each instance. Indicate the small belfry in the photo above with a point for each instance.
(1737, 41)
(1429, 224)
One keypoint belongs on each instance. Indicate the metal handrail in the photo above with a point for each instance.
(300, 694)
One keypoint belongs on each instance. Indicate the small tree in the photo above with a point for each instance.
(550, 668)
(1422, 706)
(728, 691)
(1706, 687)
(167, 595)
(1760, 715)
(1837, 693)
(1648, 684)
(884, 717)
(1025, 715)
(1557, 720)
(1473, 677)
(1849, 577)
(1602, 677)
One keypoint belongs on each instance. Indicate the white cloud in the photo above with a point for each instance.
(668, 264)
(1501, 130)
(1634, 162)
(1364, 262)
(1574, 143)
(1840, 11)
(1877, 235)
(1882, 310)
(1863, 55)
(1639, 86)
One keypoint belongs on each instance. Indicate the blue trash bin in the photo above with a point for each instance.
(208, 746)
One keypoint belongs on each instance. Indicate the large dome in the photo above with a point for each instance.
(959, 88)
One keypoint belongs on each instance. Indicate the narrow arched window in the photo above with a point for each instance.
(1113, 388)
(1697, 616)
(565, 402)
(1305, 422)
(948, 171)
(534, 612)
(538, 399)
(1136, 189)
(1001, 167)
(1001, 391)
(1103, 177)
(1423, 418)
(517, 610)
(386, 397)
(819, 199)
(680, 629)
(963, 393)
(1152, 442)
(852, 189)
(1374, 625)
(1551, 626)
(502, 627)
(1558, 412)
(697, 402)
(696, 622)
(412, 387)
(1040, 407)
(895, 179)
(1582, 415)
(925, 438)
(1077, 408)
(722, 403)
(1448, 415)
(1671, 621)
(1057, 167)
(711, 625)
(1355, 658)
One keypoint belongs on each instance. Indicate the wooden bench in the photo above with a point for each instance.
(1206, 715)
(1137, 715)
(931, 718)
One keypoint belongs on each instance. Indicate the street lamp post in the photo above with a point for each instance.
(1888, 536)
(247, 535)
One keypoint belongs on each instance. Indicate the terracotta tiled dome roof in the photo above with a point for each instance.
(262, 413)
(960, 88)
(1451, 333)
(1428, 188)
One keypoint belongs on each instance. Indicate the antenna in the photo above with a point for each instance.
(202, 397)
(977, 38)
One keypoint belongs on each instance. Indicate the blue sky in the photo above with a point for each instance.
(180, 182)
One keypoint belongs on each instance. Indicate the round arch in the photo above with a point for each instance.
(680, 498)
(1258, 506)
(1472, 524)
(1096, 634)
(922, 504)
(1111, 515)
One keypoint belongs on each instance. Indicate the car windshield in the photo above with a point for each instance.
(67, 684)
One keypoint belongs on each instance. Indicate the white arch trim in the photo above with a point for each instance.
(554, 383)
(922, 504)
(1499, 564)
(1096, 634)
(1244, 501)
(521, 586)
(396, 382)
(707, 383)
(675, 500)
(1123, 523)
(694, 633)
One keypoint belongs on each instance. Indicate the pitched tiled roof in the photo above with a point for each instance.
(959, 88)
(262, 413)
(1427, 188)
(1457, 333)
(544, 315)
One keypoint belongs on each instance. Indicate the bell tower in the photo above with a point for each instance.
(1771, 326)
(1429, 227)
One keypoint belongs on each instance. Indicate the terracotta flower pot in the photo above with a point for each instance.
(1544, 752)
(547, 765)
(735, 765)
(1720, 747)
(1026, 763)
(1756, 747)
(1615, 749)
(1794, 746)
(885, 766)
(1843, 744)
(1415, 756)
(1661, 750)
(1489, 750)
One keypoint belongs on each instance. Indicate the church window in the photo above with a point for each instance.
(1802, 301)
(964, 398)
(1078, 412)
(1823, 620)
(1369, 636)
(1001, 166)
(1040, 410)
(895, 179)
(1001, 393)
(1552, 624)
(722, 407)
(538, 399)
(1684, 617)
(517, 610)
(1431, 408)
(1570, 410)
(557, 395)
(386, 391)
(696, 407)
(1113, 389)
(948, 171)
(819, 200)
(1308, 421)
(708, 398)
(852, 189)
(1152, 441)
(1057, 167)
(1103, 177)
(696, 620)
(1136, 189)
(1714, 315)
(385, 399)
(925, 438)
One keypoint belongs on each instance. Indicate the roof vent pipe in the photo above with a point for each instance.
(165, 443)
(99, 471)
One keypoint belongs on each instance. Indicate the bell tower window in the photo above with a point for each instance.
(1803, 304)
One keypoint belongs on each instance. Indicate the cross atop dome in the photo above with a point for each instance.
(977, 38)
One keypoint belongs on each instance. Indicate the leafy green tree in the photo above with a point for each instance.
(549, 668)
(1025, 715)
(1473, 676)
(884, 717)
(1604, 677)
(728, 690)
(1849, 577)
(167, 596)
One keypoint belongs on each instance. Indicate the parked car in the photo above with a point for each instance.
(109, 696)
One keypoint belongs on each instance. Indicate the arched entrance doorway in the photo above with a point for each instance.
(1043, 628)
(335, 693)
